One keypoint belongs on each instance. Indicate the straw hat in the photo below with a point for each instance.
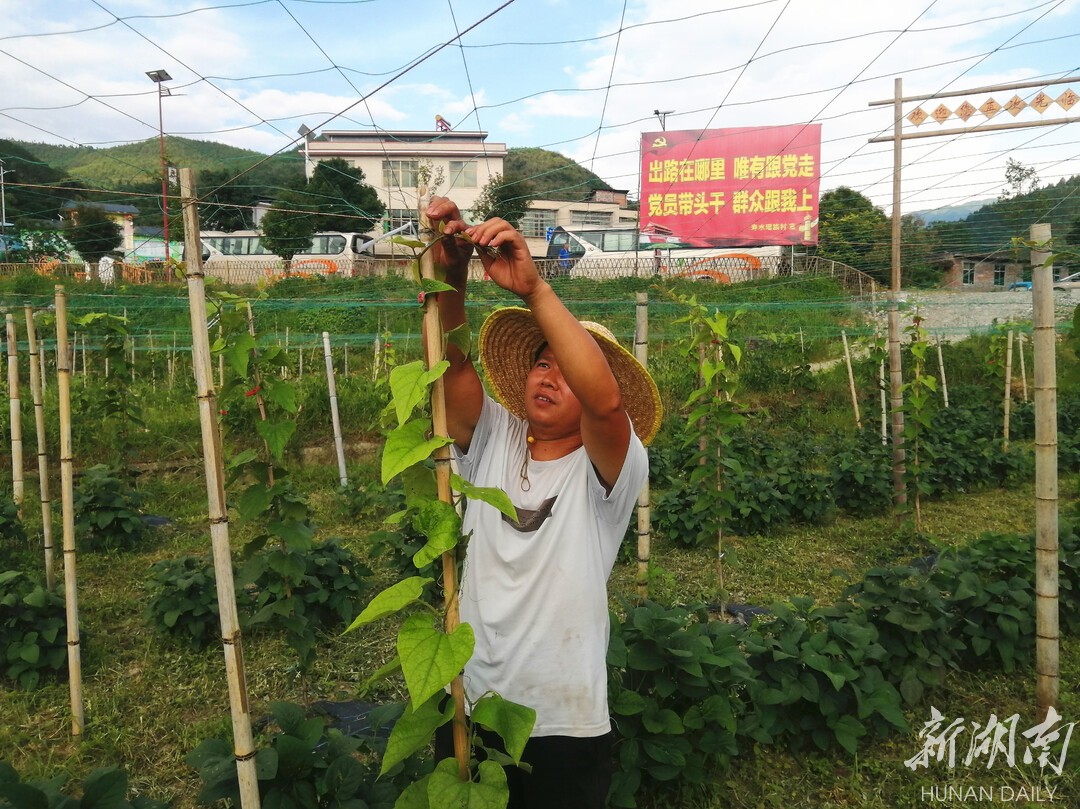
(509, 340)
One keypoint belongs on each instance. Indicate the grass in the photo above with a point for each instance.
(149, 702)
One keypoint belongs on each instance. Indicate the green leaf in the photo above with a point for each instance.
(414, 796)
(104, 789)
(513, 722)
(414, 729)
(420, 486)
(344, 777)
(254, 501)
(405, 241)
(408, 445)
(391, 600)
(409, 385)
(24, 796)
(492, 496)
(238, 353)
(276, 435)
(447, 791)
(431, 658)
(460, 336)
(434, 285)
(440, 523)
(279, 393)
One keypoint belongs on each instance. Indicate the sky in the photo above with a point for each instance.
(580, 77)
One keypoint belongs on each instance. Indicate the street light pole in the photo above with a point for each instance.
(305, 132)
(159, 77)
(3, 199)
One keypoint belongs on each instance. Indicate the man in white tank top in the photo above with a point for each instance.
(563, 435)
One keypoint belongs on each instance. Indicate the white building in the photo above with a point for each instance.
(392, 162)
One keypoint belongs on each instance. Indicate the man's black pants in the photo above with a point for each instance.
(567, 772)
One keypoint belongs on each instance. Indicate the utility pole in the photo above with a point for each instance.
(159, 77)
(1048, 674)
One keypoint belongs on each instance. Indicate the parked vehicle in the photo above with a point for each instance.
(1068, 282)
(612, 252)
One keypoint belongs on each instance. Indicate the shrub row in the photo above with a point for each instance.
(772, 480)
(688, 693)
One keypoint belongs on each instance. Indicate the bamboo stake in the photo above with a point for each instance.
(941, 373)
(84, 371)
(641, 352)
(433, 354)
(1047, 638)
(331, 387)
(375, 352)
(67, 494)
(42, 455)
(18, 484)
(1023, 368)
(44, 377)
(285, 368)
(851, 381)
(1008, 390)
(243, 743)
(884, 404)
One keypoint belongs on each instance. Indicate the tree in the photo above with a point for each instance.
(226, 205)
(342, 200)
(286, 228)
(92, 233)
(506, 200)
(853, 231)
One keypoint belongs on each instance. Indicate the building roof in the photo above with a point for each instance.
(108, 207)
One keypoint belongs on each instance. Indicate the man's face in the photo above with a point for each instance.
(552, 408)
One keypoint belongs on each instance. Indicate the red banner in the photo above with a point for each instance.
(742, 186)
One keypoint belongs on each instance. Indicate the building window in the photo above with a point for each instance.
(535, 224)
(400, 173)
(463, 174)
(590, 218)
(999, 275)
(396, 217)
(969, 272)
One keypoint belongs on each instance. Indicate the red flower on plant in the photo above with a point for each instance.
(253, 391)
(223, 412)
(420, 298)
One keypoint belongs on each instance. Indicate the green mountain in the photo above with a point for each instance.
(134, 164)
(549, 175)
(131, 174)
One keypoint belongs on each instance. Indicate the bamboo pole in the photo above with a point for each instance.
(44, 377)
(1023, 367)
(67, 499)
(18, 482)
(1047, 638)
(641, 352)
(1008, 391)
(941, 373)
(433, 354)
(851, 381)
(331, 386)
(42, 455)
(884, 404)
(243, 743)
